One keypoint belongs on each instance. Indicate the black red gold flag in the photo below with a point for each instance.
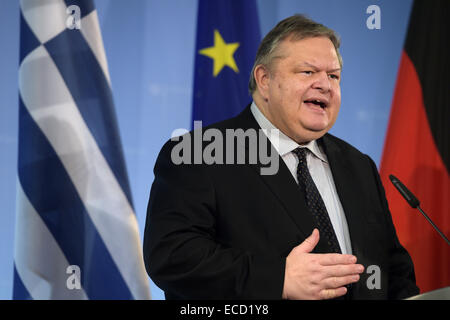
(417, 147)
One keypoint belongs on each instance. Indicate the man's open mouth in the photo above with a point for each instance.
(316, 102)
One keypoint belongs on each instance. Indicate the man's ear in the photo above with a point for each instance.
(262, 78)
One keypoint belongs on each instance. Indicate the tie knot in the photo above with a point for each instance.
(301, 154)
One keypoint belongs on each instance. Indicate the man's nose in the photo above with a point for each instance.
(322, 82)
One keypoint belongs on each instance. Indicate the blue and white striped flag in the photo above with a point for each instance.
(76, 234)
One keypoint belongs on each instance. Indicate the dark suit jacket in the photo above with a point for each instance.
(224, 231)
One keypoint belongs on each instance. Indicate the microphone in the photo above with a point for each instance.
(414, 202)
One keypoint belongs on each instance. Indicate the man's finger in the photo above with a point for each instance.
(332, 293)
(343, 270)
(330, 259)
(337, 282)
(310, 243)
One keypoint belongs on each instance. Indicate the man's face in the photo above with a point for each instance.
(303, 92)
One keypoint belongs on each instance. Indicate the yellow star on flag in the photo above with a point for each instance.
(221, 53)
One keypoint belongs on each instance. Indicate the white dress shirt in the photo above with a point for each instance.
(320, 172)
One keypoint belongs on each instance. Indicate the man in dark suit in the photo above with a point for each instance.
(225, 230)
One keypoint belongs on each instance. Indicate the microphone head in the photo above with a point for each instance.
(409, 197)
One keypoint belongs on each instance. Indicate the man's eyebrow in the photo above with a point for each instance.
(307, 64)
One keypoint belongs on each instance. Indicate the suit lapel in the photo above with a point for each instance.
(286, 190)
(347, 188)
(282, 185)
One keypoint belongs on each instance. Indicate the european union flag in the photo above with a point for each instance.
(227, 40)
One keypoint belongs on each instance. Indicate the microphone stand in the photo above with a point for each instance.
(434, 226)
(414, 202)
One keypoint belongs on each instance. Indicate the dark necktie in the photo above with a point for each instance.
(315, 202)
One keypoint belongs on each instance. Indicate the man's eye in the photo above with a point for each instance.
(334, 76)
(307, 72)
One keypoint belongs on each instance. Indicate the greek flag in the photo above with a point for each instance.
(76, 231)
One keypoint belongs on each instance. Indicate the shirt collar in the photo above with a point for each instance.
(283, 144)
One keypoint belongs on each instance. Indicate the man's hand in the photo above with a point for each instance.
(318, 276)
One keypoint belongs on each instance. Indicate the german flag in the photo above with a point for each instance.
(418, 142)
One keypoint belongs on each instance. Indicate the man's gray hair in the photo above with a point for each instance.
(297, 27)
